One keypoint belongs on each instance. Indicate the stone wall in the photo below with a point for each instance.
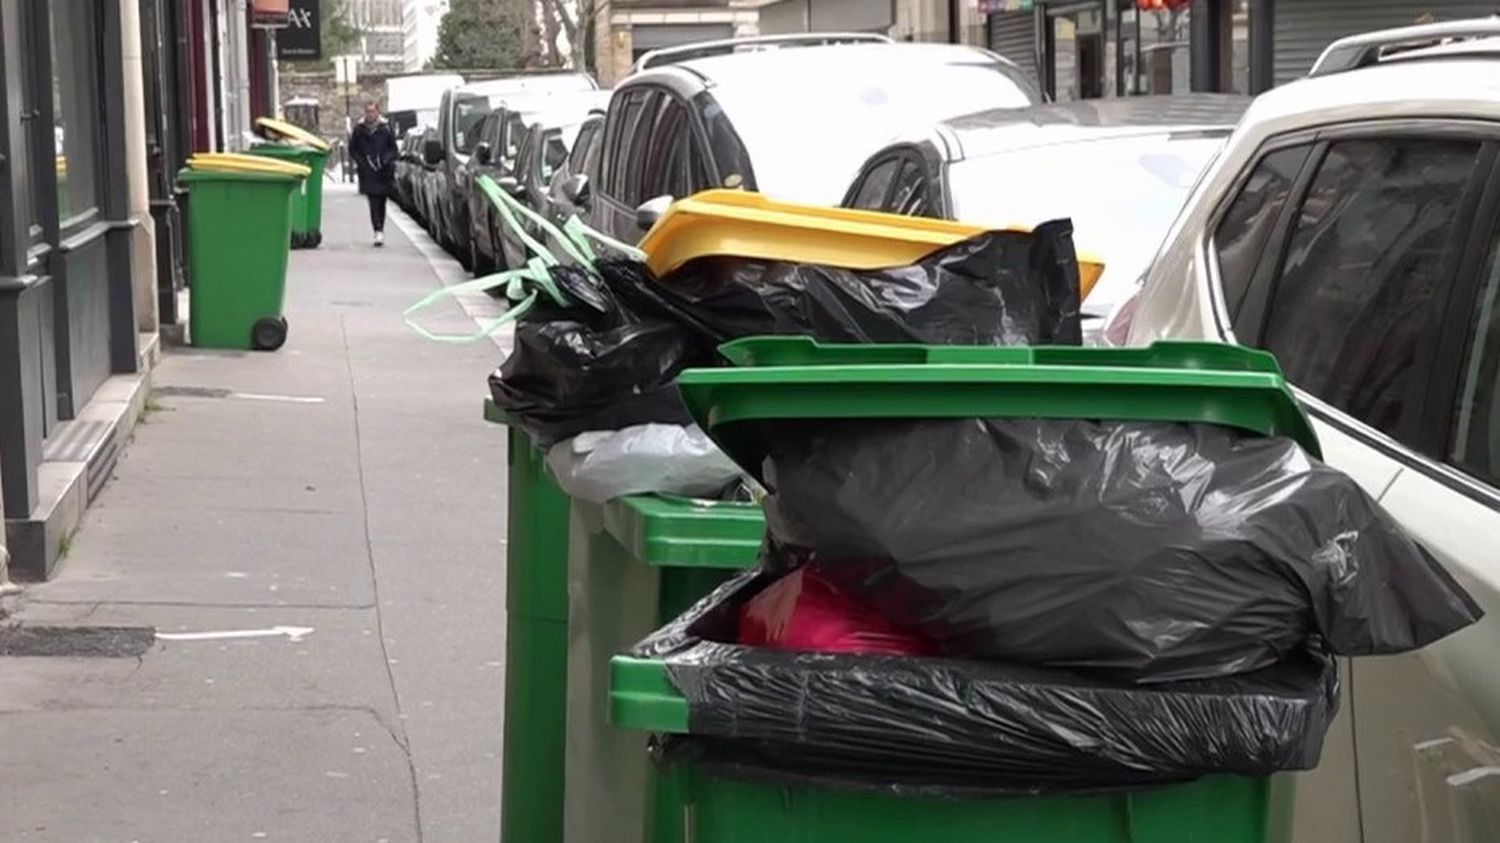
(320, 85)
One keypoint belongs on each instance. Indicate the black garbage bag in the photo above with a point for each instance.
(1149, 552)
(609, 360)
(996, 288)
(923, 726)
(599, 363)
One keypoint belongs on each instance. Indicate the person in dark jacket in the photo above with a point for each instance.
(372, 145)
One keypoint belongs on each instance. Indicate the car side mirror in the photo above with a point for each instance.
(512, 185)
(652, 210)
(577, 191)
(482, 154)
(432, 152)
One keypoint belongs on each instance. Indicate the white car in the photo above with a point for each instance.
(1119, 168)
(1351, 225)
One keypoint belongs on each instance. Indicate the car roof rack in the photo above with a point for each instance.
(726, 46)
(1362, 50)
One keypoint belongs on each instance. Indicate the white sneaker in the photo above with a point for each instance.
(380, 238)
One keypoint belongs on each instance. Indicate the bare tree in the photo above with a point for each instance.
(557, 13)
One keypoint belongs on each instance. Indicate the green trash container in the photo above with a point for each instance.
(238, 224)
(796, 378)
(307, 203)
(634, 564)
(563, 554)
(536, 642)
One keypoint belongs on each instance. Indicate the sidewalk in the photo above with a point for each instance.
(345, 487)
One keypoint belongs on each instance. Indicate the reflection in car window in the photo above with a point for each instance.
(1476, 422)
(468, 112)
(910, 194)
(730, 159)
(871, 194)
(1364, 261)
(1242, 233)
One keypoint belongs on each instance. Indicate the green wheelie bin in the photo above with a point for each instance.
(635, 563)
(779, 379)
(307, 202)
(536, 642)
(238, 230)
(584, 580)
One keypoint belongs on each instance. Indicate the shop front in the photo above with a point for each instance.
(67, 302)
(1082, 49)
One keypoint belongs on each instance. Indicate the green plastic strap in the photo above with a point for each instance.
(581, 233)
(515, 283)
(509, 207)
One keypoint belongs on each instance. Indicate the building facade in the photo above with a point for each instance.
(383, 32)
(420, 20)
(1081, 49)
(624, 30)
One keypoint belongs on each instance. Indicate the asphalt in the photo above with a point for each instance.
(339, 504)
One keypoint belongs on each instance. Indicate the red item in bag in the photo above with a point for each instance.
(802, 611)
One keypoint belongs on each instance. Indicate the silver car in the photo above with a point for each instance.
(1352, 227)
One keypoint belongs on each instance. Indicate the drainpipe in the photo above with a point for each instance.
(143, 238)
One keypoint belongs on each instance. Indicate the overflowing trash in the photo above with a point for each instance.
(1149, 552)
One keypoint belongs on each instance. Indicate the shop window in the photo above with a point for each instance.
(1075, 52)
(1154, 40)
(76, 108)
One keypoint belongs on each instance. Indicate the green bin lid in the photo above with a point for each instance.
(785, 378)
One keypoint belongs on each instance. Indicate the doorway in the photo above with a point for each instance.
(1074, 50)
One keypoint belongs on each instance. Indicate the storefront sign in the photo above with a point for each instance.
(271, 13)
(995, 7)
(302, 39)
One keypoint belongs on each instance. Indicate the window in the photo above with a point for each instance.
(1241, 236)
(554, 153)
(578, 157)
(469, 112)
(870, 195)
(513, 134)
(1370, 250)
(1476, 420)
(667, 152)
(75, 110)
(621, 130)
(635, 147)
(729, 158)
(909, 196)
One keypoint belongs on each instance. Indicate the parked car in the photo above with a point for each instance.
(544, 152)
(500, 138)
(459, 115)
(427, 183)
(583, 158)
(1120, 168)
(1351, 226)
(408, 164)
(793, 123)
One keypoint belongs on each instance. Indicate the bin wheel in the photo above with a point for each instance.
(268, 334)
(317, 238)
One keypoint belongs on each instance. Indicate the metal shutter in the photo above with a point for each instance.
(1013, 35)
(1305, 27)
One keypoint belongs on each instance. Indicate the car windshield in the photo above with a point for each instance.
(1122, 195)
(468, 112)
(806, 145)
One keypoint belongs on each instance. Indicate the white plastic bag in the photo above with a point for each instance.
(602, 465)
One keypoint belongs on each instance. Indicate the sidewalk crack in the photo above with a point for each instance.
(398, 729)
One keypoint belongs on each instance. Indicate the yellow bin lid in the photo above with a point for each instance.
(292, 132)
(745, 224)
(233, 162)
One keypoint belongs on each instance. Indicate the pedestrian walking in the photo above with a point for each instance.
(372, 145)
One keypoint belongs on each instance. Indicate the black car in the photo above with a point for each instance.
(794, 123)
(408, 166)
(460, 114)
(544, 154)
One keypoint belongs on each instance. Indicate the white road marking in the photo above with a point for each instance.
(285, 399)
(292, 633)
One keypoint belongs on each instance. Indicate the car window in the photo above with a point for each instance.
(665, 162)
(638, 143)
(870, 195)
(1475, 446)
(577, 157)
(1241, 236)
(621, 126)
(909, 196)
(1368, 252)
(515, 132)
(554, 153)
(469, 111)
(727, 152)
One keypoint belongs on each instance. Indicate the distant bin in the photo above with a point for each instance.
(307, 203)
(238, 230)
